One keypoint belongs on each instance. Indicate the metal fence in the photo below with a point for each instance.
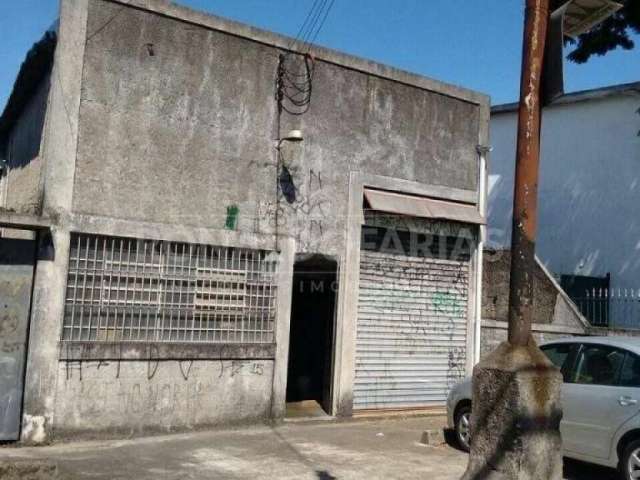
(124, 289)
(612, 308)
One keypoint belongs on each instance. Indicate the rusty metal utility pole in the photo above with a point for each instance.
(514, 434)
(525, 197)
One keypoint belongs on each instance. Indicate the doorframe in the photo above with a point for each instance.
(37, 238)
(349, 278)
(282, 327)
(331, 357)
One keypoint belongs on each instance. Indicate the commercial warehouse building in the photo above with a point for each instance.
(186, 261)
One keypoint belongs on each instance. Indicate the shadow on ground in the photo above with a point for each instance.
(324, 475)
(574, 470)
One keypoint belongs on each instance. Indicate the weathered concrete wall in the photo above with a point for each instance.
(156, 126)
(24, 176)
(178, 122)
(59, 152)
(495, 289)
(555, 316)
(133, 397)
(494, 333)
(59, 407)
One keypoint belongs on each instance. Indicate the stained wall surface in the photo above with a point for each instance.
(172, 128)
(177, 123)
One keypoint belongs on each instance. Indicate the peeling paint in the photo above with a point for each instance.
(34, 428)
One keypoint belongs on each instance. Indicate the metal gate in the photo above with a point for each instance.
(16, 277)
(412, 329)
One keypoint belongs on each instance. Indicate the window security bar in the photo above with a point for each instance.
(134, 290)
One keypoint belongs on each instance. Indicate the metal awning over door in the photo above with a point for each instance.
(423, 207)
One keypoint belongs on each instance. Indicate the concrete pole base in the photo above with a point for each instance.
(516, 416)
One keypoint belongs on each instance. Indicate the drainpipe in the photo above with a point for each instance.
(483, 152)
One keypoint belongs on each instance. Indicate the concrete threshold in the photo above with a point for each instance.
(307, 420)
(400, 413)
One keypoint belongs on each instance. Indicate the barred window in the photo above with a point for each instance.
(124, 289)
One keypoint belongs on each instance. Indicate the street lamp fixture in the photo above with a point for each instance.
(580, 16)
(294, 136)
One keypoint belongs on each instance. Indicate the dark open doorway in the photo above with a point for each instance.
(311, 334)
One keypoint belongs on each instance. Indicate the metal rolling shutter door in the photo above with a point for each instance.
(411, 330)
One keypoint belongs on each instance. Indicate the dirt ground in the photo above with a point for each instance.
(380, 449)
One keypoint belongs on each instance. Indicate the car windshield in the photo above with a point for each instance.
(558, 353)
(598, 365)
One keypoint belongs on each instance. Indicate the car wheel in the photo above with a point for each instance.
(630, 461)
(463, 427)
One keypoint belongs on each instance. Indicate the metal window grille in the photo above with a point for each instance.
(123, 289)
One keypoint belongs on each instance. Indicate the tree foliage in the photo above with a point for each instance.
(610, 34)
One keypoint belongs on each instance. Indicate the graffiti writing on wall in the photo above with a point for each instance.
(224, 368)
(97, 394)
(448, 303)
(423, 305)
(302, 209)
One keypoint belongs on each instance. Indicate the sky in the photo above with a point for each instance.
(472, 43)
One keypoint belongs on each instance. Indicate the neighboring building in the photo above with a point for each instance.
(589, 192)
(183, 255)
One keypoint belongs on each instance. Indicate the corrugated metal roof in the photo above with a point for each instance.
(423, 207)
(37, 64)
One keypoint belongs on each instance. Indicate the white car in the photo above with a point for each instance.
(600, 395)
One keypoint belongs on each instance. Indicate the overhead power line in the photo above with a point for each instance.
(312, 24)
(294, 82)
(304, 24)
(324, 19)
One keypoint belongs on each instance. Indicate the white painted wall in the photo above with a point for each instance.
(589, 191)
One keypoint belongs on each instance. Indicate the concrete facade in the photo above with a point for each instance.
(22, 190)
(159, 120)
(160, 395)
(180, 114)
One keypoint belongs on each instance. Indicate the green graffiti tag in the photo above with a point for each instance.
(231, 222)
(448, 303)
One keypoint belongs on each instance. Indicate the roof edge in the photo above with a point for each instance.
(207, 20)
(37, 64)
(579, 96)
